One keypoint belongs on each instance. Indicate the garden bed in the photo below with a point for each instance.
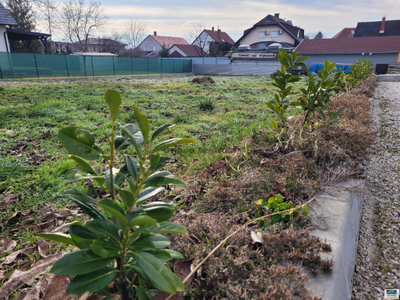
(235, 163)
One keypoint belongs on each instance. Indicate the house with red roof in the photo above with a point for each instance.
(152, 44)
(378, 49)
(377, 41)
(183, 50)
(207, 36)
(345, 33)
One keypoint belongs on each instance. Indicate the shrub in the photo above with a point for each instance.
(129, 249)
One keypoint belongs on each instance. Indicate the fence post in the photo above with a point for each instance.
(148, 69)
(173, 66)
(92, 66)
(84, 64)
(37, 70)
(114, 64)
(132, 65)
(161, 65)
(66, 63)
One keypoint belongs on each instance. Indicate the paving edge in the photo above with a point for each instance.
(337, 213)
(388, 78)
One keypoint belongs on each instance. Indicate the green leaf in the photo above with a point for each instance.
(160, 129)
(161, 254)
(175, 254)
(171, 143)
(127, 197)
(322, 114)
(91, 282)
(158, 210)
(150, 241)
(142, 293)
(113, 100)
(154, 159)
(83, 164)
(120, 177)
(143, 123)
(81, 146)
(274, 125)
(147, 193)
(81, 232)
(135, 136)
(114, 209)
(90, 210)
(58, 237)
(79, 262)
(132, 166)
(164, 227)
(121, 143)
(162, 178)
(142, 220)
(106, 248)
(76, 195)
(102, 229)
(99, 179)
(157, 273)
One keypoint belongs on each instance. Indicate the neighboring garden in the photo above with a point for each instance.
(253, 152)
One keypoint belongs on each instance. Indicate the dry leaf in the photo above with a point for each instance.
(19, 278)
(7, 245)
(256, 237)
(56, 287)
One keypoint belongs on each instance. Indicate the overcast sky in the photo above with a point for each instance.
(176, 17)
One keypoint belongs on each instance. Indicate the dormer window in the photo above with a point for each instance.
(268, 19)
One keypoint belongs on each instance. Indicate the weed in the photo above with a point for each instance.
(207, 105)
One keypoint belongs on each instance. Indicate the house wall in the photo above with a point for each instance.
(174, 48)
(203, 41)
(376, 58)
(252, 37)
(3, 46)
(150, 44)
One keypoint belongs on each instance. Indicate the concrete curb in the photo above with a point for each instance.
(337, 213)
(388, 78)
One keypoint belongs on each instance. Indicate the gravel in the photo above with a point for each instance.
(378, 254)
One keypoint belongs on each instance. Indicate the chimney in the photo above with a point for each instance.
(219, 34)
(155, 32)
(277, 15)
(383, 25)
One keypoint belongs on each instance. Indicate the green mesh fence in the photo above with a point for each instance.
(22, 65)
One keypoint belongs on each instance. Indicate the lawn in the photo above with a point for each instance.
(34, 165)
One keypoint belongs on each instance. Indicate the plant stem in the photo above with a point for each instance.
(111, 164)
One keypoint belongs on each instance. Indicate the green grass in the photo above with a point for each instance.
(32, 113)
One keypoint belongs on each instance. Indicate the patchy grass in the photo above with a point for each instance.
(235, 161)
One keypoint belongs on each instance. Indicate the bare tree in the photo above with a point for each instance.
(315, 35)
(48, 10)
(135, 33)
(112, 43)
(78, 20)
(195, 37)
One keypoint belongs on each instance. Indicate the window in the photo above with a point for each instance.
(274, 34)
(261, 34)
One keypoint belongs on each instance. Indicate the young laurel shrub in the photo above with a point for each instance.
(281, 102)
(130, 249)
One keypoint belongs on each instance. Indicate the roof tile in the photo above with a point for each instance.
(351, 45)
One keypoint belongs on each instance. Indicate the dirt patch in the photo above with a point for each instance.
(204, 79)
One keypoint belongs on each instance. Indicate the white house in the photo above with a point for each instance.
(5, 19)
(207, 36)
(271, 29)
